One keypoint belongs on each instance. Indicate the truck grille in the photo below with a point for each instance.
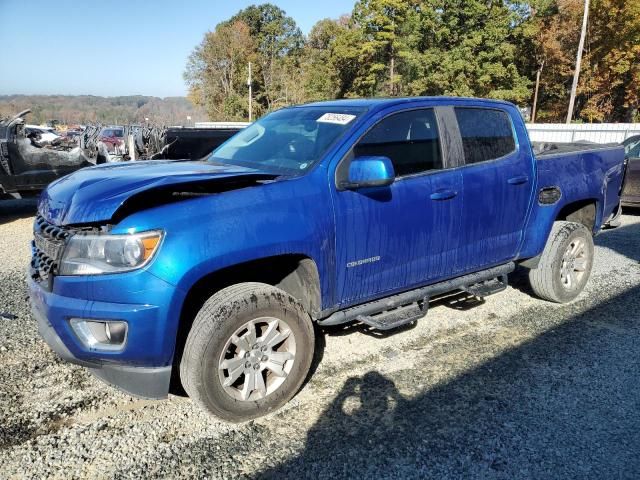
(47, 247)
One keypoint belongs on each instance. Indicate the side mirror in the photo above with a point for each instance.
(369, 171)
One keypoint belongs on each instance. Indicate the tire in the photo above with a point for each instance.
(218, 370)
(565, 264)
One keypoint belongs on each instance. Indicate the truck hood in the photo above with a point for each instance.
(95, 194)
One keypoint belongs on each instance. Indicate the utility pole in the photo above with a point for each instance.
(250, 94)
(392, 73)
(576, 73)
(393, 85)
(535, 95)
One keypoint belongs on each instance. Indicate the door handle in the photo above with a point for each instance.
(518, 180)
(443, 195)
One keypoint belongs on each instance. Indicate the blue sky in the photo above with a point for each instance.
(121, 47)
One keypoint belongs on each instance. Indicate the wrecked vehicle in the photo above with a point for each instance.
(32, 157)
(44, 134)
(210, 275)
(29, 162)
(193, 143)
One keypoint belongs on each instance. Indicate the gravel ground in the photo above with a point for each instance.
(512, 387)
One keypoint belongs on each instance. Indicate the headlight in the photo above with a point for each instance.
(94, 254)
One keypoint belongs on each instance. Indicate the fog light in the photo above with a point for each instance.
(100, 334)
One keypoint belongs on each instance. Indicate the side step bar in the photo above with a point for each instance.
(406, 307)
(488, 287)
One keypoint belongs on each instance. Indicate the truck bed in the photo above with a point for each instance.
(582, 169)
(581, 173)
(545, 149)
(195, 143)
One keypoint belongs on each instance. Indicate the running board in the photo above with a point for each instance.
(488, 287)
(402, 308)
(397, 316)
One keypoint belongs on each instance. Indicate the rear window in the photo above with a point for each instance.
(486, 134)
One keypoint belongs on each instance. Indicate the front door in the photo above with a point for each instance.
(392, 238)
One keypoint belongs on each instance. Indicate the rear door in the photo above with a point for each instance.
(498, 178)
(392, 238)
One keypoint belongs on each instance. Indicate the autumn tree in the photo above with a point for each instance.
(609, 89)
(216, 71)
(549, 48)
(484, 48)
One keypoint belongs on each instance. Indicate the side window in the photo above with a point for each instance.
(410, 139)
(486, 134)
(632, 150)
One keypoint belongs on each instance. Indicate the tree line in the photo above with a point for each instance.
(483, 48)
(84, 109)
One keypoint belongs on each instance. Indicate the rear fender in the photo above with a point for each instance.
(544, 216)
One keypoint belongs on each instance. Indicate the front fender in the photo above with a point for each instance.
(206, 234)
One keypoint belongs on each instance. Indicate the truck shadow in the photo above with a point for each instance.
(12, 209)
(484, 417)
(563, 404)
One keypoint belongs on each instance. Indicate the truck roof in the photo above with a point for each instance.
(391, 101)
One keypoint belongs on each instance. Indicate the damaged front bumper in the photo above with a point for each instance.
(129, 369)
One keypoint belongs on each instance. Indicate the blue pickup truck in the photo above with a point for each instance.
(213, 275)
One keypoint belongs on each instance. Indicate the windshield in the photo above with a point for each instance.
(288, 141)
(112, 132)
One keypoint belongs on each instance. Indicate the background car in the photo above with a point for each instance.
(113, 138)
(631, 193)
(73, 133)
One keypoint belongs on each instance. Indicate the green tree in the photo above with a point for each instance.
(327, 67)
(279, 43)
(484, 48)
(383, 25)
(467, 48)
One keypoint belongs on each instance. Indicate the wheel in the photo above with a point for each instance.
(248, 351)
(565, 264)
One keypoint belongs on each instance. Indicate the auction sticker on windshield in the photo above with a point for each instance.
(338, 118)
